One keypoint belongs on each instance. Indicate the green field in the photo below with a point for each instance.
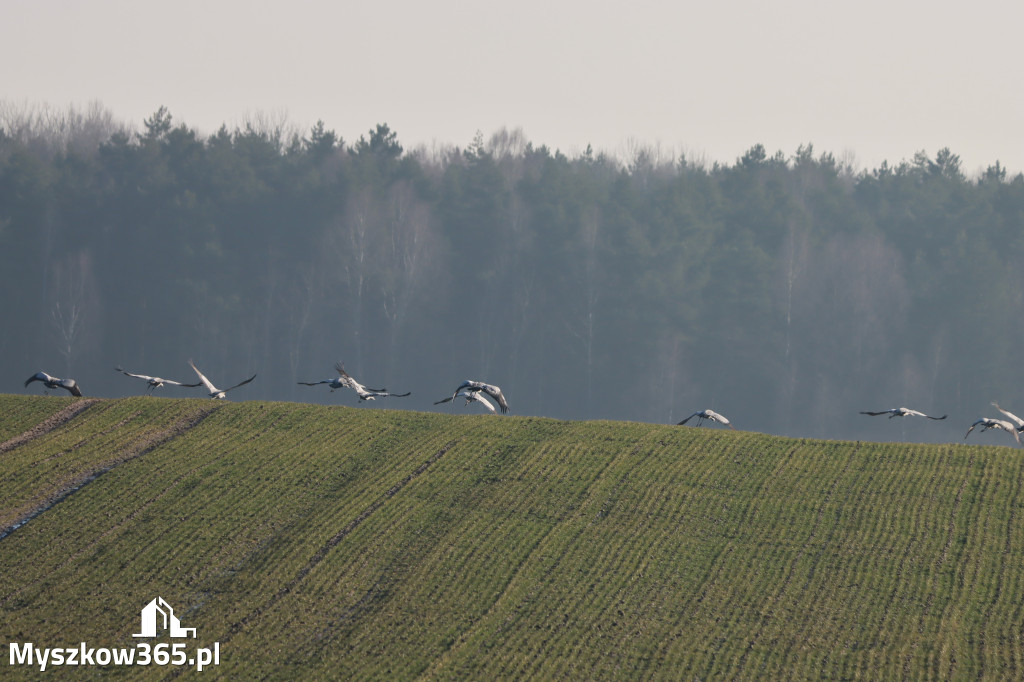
(332, 542)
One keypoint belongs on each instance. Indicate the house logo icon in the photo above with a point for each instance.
(170, 621)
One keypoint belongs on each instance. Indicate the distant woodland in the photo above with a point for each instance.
(787, 290)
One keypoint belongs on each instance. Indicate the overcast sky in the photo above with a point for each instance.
(869, 81)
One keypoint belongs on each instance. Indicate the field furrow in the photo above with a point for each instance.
(73, 456)
(27, 420)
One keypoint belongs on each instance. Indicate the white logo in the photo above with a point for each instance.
(170, 621)
(143, 653)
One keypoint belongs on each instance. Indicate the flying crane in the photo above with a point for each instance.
(216, 393)
(709, 415)
(154, 383)
(903, 412)
(1011, 416)
(49, 381)
(345, 380)
(470, 386)
(470, 396)
(989, 423)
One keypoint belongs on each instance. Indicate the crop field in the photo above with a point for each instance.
(316, 542)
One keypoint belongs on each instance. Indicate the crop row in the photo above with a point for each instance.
(20, 415)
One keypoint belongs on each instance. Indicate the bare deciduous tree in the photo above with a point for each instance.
(52, 130)
(409, 255)
(73, 303)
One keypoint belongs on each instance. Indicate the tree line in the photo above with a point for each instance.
(786, 290)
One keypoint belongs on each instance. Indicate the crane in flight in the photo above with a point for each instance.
(216, 393)
(1011, 416)
(69, 385)
(989, 423)
(903, 412)
(470, 396)
(334, 383)
(154, 383)
(470, 386)
(345, 380)
(709, 415)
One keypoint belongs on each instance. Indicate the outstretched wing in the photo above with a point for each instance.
(917, 413)
(470, 396)
(688, 418)
(172, 382)
(1006, 426)
(721, 419)
(489, 389)
(475, 395)
(137, 376)
(202, 377)
(316, 383)
(240, 384)
(875, 414)
(1010, 415)
(40, 376)
(349, 382)
(496, 393)
(71, 386)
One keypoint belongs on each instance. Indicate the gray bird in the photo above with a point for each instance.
(903, 412)
(69, 385)
(154, 383)
(989, 423)
(1011, 416)
(710, 415)
(470, 386)
(470, 396)
(215, 392)
(345, 380)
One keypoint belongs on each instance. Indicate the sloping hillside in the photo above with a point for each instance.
(319, 542)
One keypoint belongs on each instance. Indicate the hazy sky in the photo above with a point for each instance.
(871, 80)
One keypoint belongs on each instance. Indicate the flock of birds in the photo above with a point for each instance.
(1014, 426)
(474, 391)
